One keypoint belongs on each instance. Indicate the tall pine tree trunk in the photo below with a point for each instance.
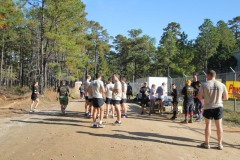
(42, 50)
(1, 74)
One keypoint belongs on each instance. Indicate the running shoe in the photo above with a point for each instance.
(86, 114)
(106, 116)
(117, 123)
(198, 120)
(100, 125)
(190, 121)
(185, 122)
(220, 147)
(173, 118)
(31, 111)
(206, 146)
(95, 126)
(126, 116)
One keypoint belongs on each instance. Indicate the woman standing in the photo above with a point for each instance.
(34, 96)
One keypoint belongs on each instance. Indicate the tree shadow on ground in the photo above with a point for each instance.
(142, 137)
(51, 123)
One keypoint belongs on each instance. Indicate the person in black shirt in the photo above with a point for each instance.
(129, 91)
(188, 103)
(34, 96)
(145, 90)
(174, 94)
(197, 102)
(63, 93)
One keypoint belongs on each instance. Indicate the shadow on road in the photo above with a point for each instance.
(142, 137)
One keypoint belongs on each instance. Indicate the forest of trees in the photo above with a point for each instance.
(51, 40)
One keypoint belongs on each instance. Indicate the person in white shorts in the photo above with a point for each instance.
(97, 91)
(109, 88)
(117, 96)
(124, 97)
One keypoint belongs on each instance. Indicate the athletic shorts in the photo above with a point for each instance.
(123, 101)
(97, 102)
(86, 97)
(63, 100)
(215, 114)
(34, 97)
(144, 101)
(115, 102)
(89, 99)
(108, 101)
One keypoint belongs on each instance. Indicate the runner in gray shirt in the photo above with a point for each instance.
(98, 90)
(213, 93)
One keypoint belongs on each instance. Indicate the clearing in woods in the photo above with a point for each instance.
(48, 135)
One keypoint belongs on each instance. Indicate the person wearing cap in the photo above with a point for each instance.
(174, 95)
(145, 90)
(214, 93)
(188, 103)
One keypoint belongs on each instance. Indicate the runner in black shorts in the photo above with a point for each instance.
(145, 90)
(213, 92)
(188, 103)
(109, 105)
(34, 96)
(98, 90)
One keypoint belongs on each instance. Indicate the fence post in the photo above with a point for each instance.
(205, 75)
(235, 78)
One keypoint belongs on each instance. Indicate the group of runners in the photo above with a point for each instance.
(206, 97)
(114, 94)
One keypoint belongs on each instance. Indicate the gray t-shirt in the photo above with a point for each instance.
(161, 91)
(96, 88)
(212, 92)
(124, 90)
(117, 96)
(86, 85)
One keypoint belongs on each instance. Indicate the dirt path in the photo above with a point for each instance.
(47, 135)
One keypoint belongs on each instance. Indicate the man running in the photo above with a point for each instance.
(63, 93)
(109, 105)
(174, 94)
(124, 97)
(97, 92)
(87, 104)
(188, 103)
(162, 92)
(117, 96)
(213, 93)
(145, 90)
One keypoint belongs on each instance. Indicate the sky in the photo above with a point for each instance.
(119, 16)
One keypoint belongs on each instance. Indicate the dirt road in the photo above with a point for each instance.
(47, 135)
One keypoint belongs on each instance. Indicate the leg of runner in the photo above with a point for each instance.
(37, 100)
(95, 117)
(101, 116)
(219, 128)
(107, 110)
(113, 110)
(118, 110)
(90, 110)
(86, 107)
(31, 106)
(207, 130)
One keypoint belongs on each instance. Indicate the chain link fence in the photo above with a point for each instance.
(180, 83)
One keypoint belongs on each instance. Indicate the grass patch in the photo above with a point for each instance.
(232, 117)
